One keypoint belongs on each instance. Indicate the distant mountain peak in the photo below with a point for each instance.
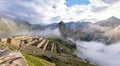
(61, 24)
(113, 18)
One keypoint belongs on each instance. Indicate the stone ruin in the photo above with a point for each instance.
(37, 41)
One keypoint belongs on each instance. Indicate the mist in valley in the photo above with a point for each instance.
(99, 53)
(47, 33)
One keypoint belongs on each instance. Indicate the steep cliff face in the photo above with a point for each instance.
(68, 32)
(64, 30)
(106, 31)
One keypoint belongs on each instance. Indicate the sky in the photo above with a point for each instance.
(51, 11)
(70, 3)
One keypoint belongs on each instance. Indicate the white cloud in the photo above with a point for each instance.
(110, 1)
(49, 11)
(99, 53)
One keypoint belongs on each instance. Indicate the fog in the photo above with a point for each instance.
(99, 53)
(47, 33)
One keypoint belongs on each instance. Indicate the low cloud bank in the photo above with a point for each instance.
(48, 33)
(99, 53)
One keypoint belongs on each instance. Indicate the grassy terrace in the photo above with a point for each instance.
(57, 41)
(66, 62)
(35, 61)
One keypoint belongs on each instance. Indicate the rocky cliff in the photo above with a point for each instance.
(106, 31)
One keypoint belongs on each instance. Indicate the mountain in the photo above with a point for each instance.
(13, 25)
(73, 25)
(101, 31)
(73, 30)
(106, 31)
(52, 26)
(76, 25)
(110, 22)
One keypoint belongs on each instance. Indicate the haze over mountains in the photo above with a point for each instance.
(105, 31)
(74, 35)
(60, 32)
(13, 25)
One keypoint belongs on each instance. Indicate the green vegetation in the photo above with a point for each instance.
(32, 61)
(67, 59)
(64, 62)
(2, 45)
(64, 58)
(59, 42)
(35, 61)
(7, 46)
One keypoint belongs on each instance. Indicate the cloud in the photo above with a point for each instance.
(50, 11)
(99, 53)
(110, 1)
(47, 33)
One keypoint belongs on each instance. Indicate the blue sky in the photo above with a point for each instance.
(76, 2)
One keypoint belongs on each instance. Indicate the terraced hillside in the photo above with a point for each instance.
(52, 50)
(15, 58)
(38, 42)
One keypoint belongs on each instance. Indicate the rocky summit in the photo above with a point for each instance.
(105, 31)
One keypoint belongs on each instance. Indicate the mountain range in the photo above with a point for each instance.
(13, 25)
(57, 50)
(105, 31)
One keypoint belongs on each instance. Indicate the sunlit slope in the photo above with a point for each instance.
(35, 61)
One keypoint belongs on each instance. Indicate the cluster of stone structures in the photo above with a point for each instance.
(37, 41)
(37, 45)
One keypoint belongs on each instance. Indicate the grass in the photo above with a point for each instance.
(67, 49)
(7, 46)
(35, 61)
(30, 59)
(3, 45)
(67, 62)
